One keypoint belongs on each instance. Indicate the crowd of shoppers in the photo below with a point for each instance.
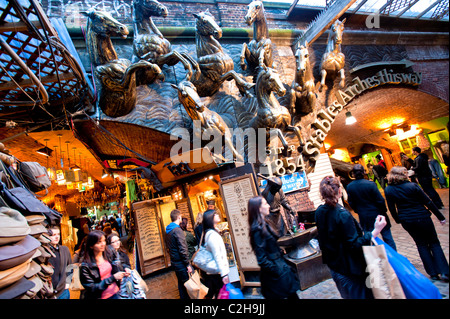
(408, 195)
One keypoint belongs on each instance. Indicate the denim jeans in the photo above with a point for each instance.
(65, 294)
(351, 287)
(430, 251)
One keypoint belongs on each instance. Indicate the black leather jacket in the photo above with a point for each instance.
(91, 280)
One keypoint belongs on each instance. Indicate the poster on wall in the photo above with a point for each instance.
(235, 193)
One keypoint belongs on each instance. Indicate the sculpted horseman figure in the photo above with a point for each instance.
(333, 60)
(303, 89)
(259, 51)
(149, 44)
(116, 77)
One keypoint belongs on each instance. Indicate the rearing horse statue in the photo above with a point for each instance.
(215, 65)
(259, 51)
(270, 114)
(303, 89)
(197, 111)
(333, 60)
(116, 78)
(149, 44)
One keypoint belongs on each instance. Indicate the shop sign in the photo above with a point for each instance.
(291, 182)
(326, 117)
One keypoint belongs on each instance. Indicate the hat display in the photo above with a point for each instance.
(13, 226)
(11, 275)
(38, 285)
(15, 254)
(17, 289)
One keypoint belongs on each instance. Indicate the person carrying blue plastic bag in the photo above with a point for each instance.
(414, 284)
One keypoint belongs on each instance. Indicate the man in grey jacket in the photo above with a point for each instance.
(60, 262)
(179, 254)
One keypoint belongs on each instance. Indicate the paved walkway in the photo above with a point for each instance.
(163, 285)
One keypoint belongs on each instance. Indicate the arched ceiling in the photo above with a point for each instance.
(378, 109)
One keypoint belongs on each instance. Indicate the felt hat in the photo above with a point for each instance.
(14, 254)
(17, 289)
(35, 219)
(13, 226)
(44, 238)
(33, 270)
(37, 230)
(11, 275)
(46, 252)
(47, 269)
(38, 284)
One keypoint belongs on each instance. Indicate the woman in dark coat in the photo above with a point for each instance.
(278, 279)
(341, 239)
(411, 207)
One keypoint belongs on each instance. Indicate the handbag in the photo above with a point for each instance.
(35, 176)
(382, 278)
(194, 287)
(204, 260)
(75, 284)
(415, 285)
(131, 287)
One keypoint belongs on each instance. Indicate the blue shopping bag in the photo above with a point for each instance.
(234, 293)
(415, 285)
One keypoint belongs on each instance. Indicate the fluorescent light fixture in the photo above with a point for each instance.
(105, 174)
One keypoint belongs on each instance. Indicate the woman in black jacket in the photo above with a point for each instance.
(278, 279)
(341, 239)
(98, 273)
(411, 207)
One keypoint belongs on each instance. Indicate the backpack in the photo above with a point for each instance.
(35, 176)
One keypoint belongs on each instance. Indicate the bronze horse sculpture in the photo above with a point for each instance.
(303, 89)
(333, 60)
(197, 111)
(259, 51)
(270, 114)
(215, 65)
(149, 44)
(116, 78)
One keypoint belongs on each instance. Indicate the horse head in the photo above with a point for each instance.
(255, 8)
(337, 30)
(206, 24)
(103, 24)
(150, 8)
(269, 80)
(188, 96)
(302, 58)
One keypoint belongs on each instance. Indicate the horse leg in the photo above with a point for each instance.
(244, 53)
(173, 58)
(322, 80)
(342, 82)
(242, 85)
(298, 133)
(193, 63)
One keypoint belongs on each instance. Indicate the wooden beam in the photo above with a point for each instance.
(47, 79)
(18, 26)
(324, 21)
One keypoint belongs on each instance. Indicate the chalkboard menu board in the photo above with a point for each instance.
(235, 193)
(183, 207)
(148, 236)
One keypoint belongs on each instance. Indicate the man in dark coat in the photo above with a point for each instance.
(178, 250)
(424, 176)
(366, 200)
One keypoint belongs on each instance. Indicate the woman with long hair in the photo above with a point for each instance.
(341, 239)
(115, 244)
(278, 279)
(410, 206)
(214, 243)
(98, 274)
